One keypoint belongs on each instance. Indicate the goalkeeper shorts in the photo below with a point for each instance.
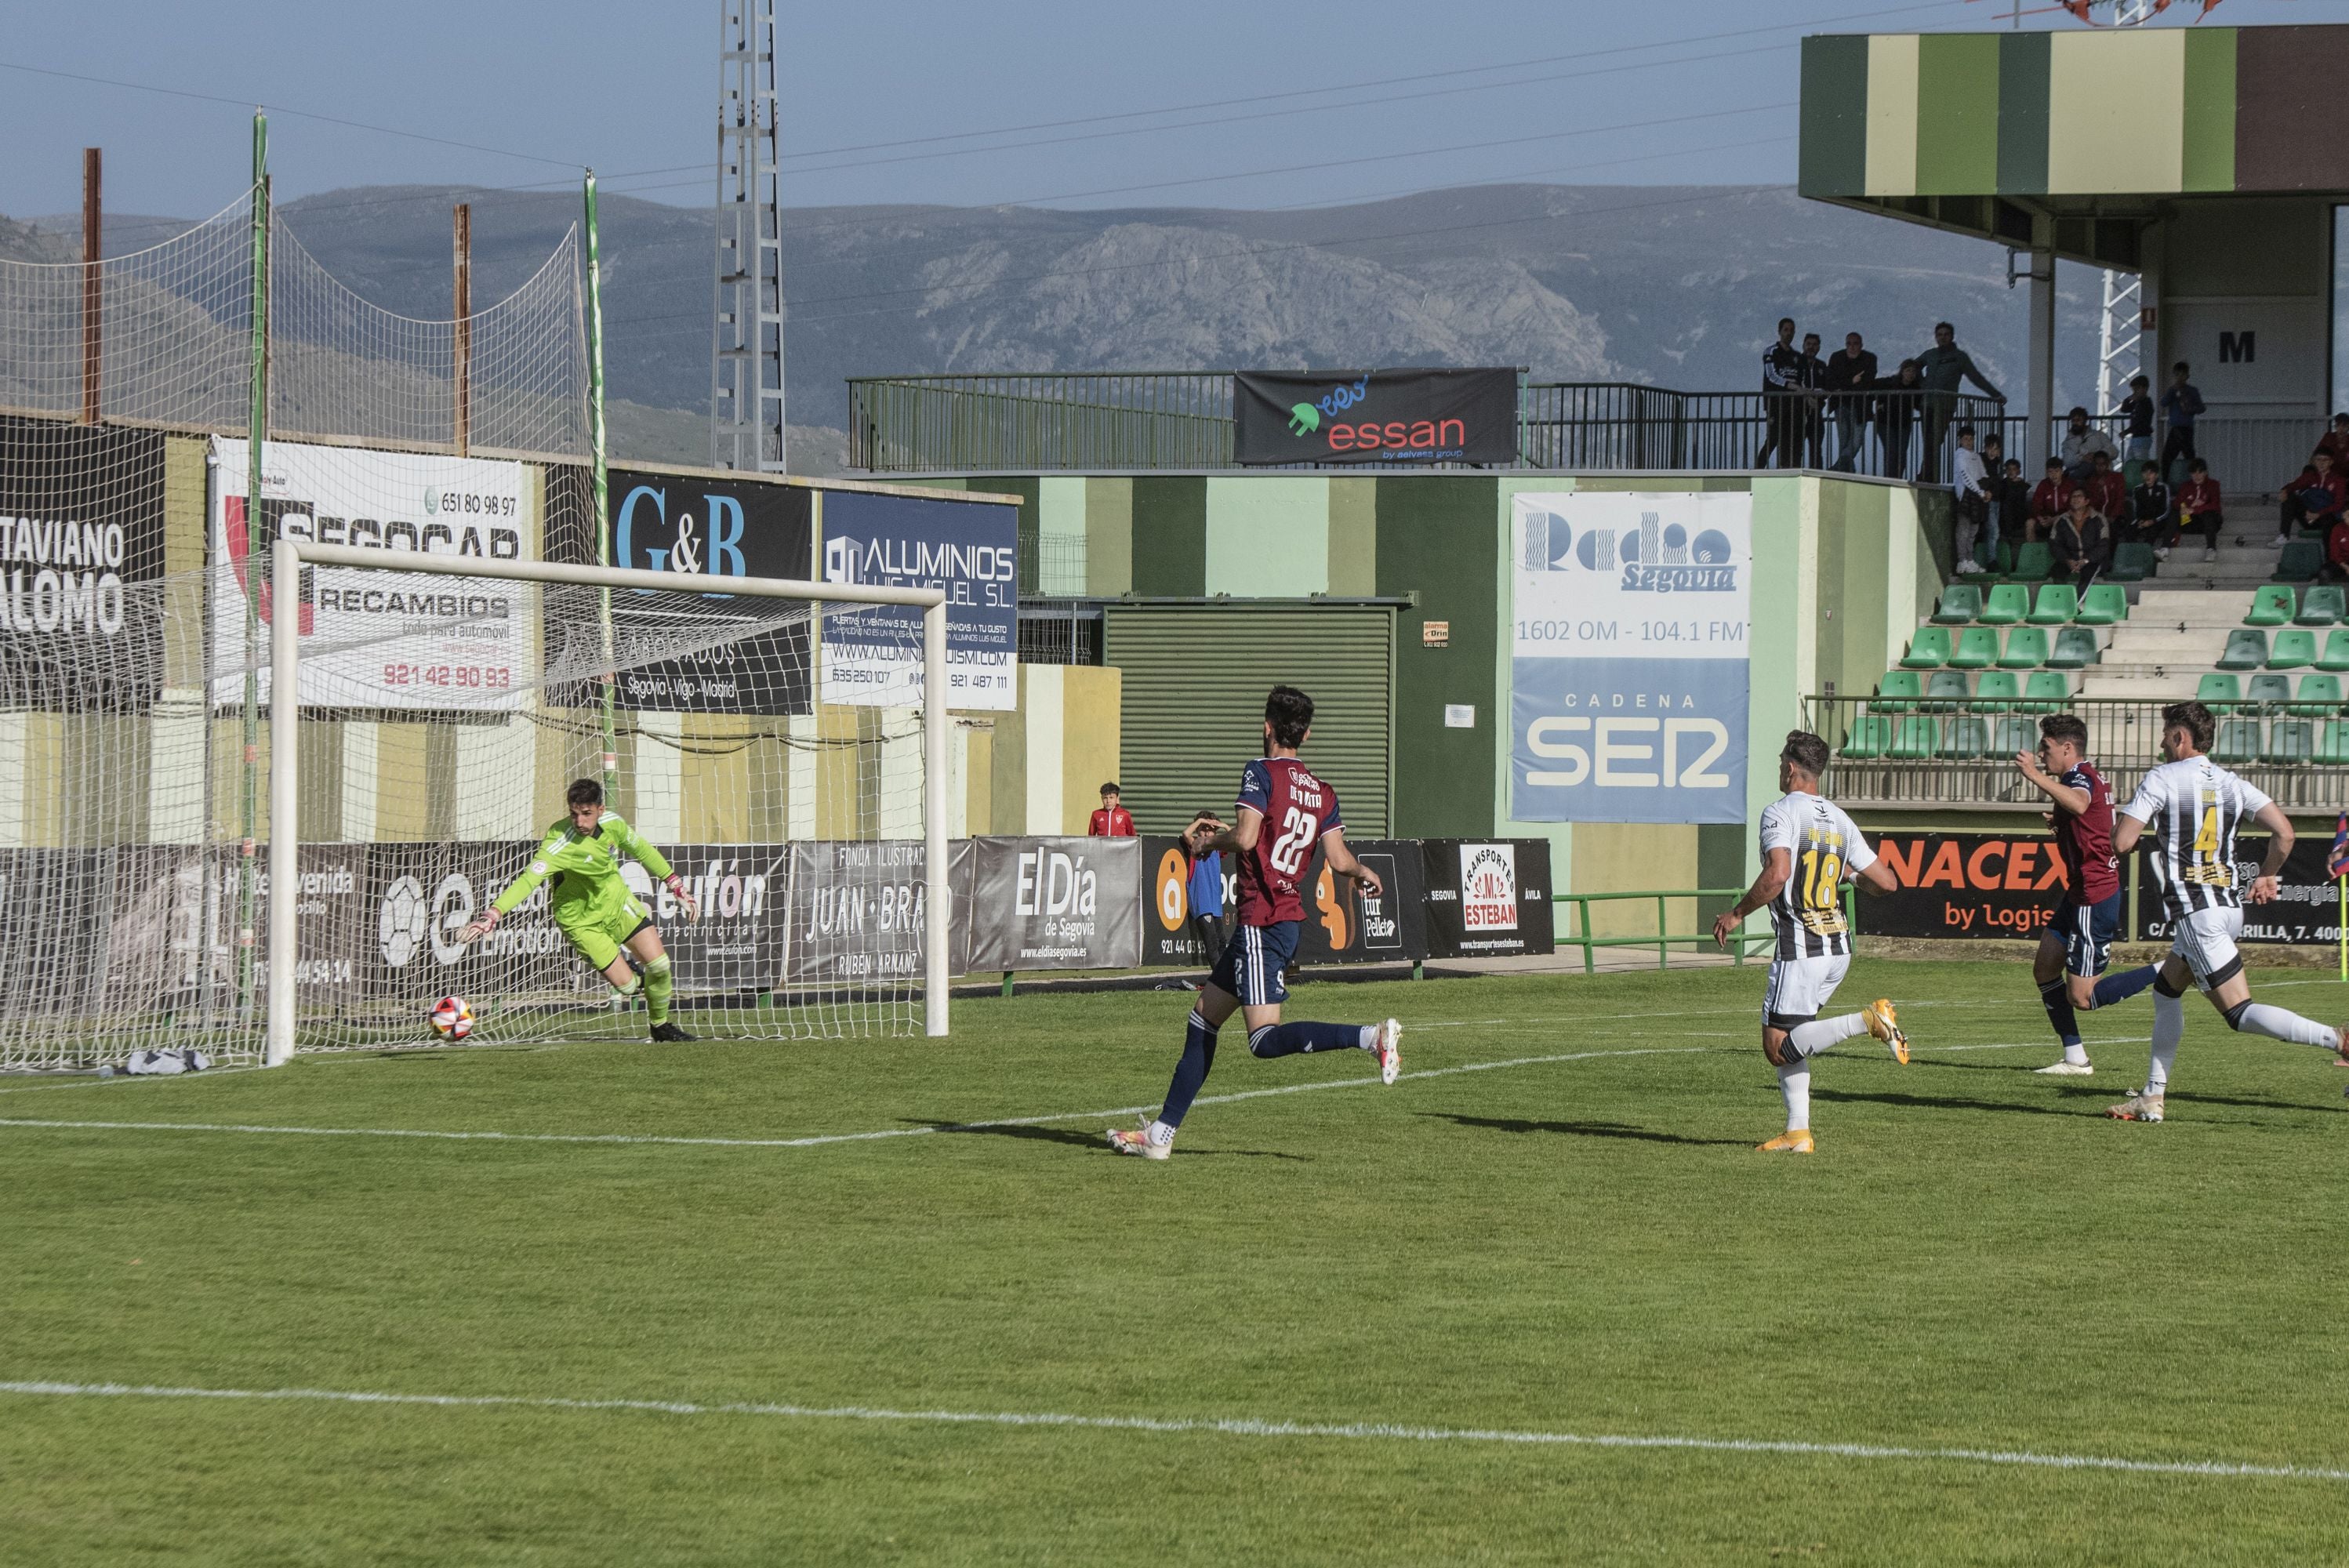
(597, 931)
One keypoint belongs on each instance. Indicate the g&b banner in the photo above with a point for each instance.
(1374, 416)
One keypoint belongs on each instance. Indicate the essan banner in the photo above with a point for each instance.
(1374, 416)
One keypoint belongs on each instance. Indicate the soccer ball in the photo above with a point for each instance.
(452, 1017)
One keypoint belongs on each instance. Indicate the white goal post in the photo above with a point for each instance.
(290, 556)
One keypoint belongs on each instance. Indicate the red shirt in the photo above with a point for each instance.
(2334, 483)
(2085, 841)
(2337, 443)
(1298, 809)
(2336, 544)
(2198, 496)
(1110, 822)
(2051, 498)
(2110, 495)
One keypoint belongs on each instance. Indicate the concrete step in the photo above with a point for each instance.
(2170, 648)
(2174, 606)
(2135, 687)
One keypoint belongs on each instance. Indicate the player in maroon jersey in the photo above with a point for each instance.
(2077, 944)
(1284, 811)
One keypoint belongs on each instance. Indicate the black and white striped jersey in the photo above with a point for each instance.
(2194, 809)
(1825, 847)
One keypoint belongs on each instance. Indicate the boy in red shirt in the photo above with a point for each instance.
(2315, 499)
(2199, 503)
(2050, 499)
(2109, 492)
(1112, 820)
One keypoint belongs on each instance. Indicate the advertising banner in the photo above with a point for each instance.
(383, 641)
(1487, 898)
(2308, 910)
(1629, 668)
(1343, 925)
(873, 658)
(856, 913)
(81, 544)
(1166, 936)
(1965, 886)
(1374, 416)
(1055, 904)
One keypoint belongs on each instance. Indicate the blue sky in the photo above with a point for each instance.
(1570, 91)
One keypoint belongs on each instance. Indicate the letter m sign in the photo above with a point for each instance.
(2238, 347)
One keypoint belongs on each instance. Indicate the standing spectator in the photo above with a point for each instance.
(1815, 380)
(1943, 368)
(1851, 370)
(2315, 499)
(2180, 405)
(2136, 415)
(1112, 820)
(2153, 511)
(2082, 541)
(2200, 505)
(1781, 400)
(1899, 403)
(1206, 896)
(2107, 491)
(2050, 499)
(2336, 441)
(1973, 487)
(2082, 443)
(2012, 505)
(1992, 448)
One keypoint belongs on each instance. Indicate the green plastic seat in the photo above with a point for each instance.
(2238, 742)
(2290, 740)
(2076, 649)
(1946, 691)
(2104, 604)
(2033, 563)
(2296, 648)
(2299, 560)
(2046, 691)
(1977, 649)
(2336, 655)
(2332, 743)
(2026, 648)
(1915, 740)
(1898, 692)
(2245, 651)
(2319, 697)
(2271, 606)
(2056, 604)
(2132, 562)
(1965, 739)
(2220, 694)
(1961, 605)
(1870, 738)
(1930, 649)
(2013, 734)
(2268, 689)
(2008, 603)
(1997, 691)
(2322, 605)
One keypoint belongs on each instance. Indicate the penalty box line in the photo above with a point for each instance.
(1241, 1427)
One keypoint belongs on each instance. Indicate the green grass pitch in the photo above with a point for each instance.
(1976, 1261)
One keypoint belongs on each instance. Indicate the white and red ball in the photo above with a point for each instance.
(452, 1017)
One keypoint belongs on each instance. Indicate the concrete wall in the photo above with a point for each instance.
(1047, 761)
(2257, 266)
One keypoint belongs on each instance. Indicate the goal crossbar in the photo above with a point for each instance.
(290, 555)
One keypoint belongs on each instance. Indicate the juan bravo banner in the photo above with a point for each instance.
(1374, 416)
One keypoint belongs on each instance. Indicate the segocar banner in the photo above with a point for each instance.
(1629, 668)
(873, 658)
(1374, 416)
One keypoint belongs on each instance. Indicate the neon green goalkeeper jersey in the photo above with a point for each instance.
(586, 866)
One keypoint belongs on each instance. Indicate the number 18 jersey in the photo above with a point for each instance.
(1825, 845)
(1298, 809)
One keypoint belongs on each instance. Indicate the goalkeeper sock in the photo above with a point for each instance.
(658, 986)
(1288, 1039)
(1199, 1055)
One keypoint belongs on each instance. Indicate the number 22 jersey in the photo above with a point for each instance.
(1825, 844)
(1298, 809)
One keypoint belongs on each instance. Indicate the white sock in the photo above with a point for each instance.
(1795, 1083)
(2278, 1024)
(1160, 1133)
(1809, 1039)
(2076, 1055)
(2168, 1029)
(1370, 1037)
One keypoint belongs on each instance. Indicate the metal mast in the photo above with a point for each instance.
(746, 376)
(2117, 333)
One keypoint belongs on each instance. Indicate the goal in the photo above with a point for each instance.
(440, 705)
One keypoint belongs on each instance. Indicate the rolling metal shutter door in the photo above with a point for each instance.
(1193, 712)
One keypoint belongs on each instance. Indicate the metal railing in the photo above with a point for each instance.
(1665, 940)
(1960, 752)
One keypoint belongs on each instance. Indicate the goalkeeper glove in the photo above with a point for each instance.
(483, 923)
(685, 900)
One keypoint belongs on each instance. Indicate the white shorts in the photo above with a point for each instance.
(1800, 988)
(2205, 938)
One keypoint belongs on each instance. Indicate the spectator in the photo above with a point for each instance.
(1973, 487)
(2336, 441)
(1899, 403)
(2315, 499)
(2082, 541)
(1206, 896)
(1851, 370)
(1781, 400)
(1112, 820)
(2180, 405)
(2153, 508)
(2082, 443)
(2049, 501)
(1992, 448)
(2136, 416)
(1815, 380)
(2200, 505)
(2105, 488)
(2014, 502)
(1942, 368)
(2336, 551)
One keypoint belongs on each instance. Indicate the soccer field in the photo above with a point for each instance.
(1537, 1302)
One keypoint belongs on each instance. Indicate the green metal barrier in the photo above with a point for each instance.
(1663, 942)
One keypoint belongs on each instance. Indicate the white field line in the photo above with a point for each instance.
(1238, 1427)
(811, 1142)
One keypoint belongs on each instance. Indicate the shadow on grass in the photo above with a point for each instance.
(1953, 1102)
(1583, 1129)
(1094, 1142)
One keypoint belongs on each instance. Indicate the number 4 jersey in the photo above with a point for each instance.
(1298, 809)
(2194, 809)
(1824, 845)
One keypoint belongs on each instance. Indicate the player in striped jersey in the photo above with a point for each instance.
(2194, 808)
(1808, 846)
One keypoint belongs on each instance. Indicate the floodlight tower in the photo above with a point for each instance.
(746, 372)
(2118, 334)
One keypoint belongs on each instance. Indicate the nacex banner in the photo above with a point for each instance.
(1374, 416)
(1965, 886)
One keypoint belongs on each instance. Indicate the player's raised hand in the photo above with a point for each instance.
(685, 902)
(1201, 832)
(482, 925)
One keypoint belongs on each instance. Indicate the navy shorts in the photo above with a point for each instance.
(1253, 962)
(2088, 932)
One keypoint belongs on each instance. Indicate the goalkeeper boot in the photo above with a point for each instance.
(1137, 1141)
(2144, 1105)
(1389, 1051)
(1885, 1028)
(1798, 1141)
(665, 1033)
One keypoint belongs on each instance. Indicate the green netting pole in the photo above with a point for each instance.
(255, 553)
(601, 483)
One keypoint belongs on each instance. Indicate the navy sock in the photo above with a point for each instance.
(1199, 1055)
(1288, 1039)
(2122, 984)
(2056, 995)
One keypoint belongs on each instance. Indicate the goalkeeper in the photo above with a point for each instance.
(603, 920)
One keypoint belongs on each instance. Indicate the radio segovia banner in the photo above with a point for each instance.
(1629, 669)
(873, 658)
(81, 530)
(408, 641)
(1374, 416)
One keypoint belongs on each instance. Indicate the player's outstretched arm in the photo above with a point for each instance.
(1877, 878)
(1239, 839)
(1777, 865)
(2268, 888)
(1343, 863)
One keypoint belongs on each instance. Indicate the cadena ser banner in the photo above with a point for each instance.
(873, 656)
(374, 639)
(81, 549)
(1628, 667)
(1374, 416)
(1486, 897)
(1965, 886)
